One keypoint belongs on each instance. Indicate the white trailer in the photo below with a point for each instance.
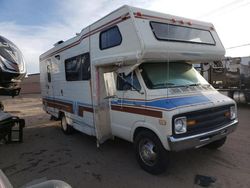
(130, 75)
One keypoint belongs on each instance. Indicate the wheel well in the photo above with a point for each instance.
(139, 129)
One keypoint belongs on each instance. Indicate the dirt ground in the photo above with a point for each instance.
(47, 153)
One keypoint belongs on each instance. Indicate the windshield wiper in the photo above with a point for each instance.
(197, 84)
(188, 85)
(162, 85)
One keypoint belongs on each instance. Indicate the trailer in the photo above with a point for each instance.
(12, 68)
(230, 76)
(12, 71)
(130, 75)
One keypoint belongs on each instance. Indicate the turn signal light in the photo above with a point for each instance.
(227, 114)
(191, 122)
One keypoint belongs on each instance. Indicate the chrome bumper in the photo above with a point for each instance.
(198, 140)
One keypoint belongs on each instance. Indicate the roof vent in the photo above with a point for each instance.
(59, 42)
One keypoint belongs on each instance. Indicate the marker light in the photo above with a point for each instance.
(139, 14)
(181, 22)
(233, 112)
(191, 122)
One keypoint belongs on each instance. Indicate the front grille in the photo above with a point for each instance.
(206, 120)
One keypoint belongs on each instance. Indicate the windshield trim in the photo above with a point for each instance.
(169, 85)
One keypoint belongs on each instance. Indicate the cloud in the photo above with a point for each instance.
(75, 15)
(33, 40)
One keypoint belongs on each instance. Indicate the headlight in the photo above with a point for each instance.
(232, 112)
(180, 125)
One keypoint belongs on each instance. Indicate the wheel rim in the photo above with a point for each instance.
(64, 124)
(148, 152)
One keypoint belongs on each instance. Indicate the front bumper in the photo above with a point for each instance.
(198, 140)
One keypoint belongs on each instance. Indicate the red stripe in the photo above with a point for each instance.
(82, 109)
(68, 107)
(140, 111)
(145, 16)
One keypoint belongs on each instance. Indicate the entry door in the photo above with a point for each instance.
(49, 85)
(128, 108)
(102, 82)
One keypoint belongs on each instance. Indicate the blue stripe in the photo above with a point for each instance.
(165, 103)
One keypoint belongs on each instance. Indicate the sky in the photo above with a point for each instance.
(34, 26)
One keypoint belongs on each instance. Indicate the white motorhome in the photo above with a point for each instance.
(130, 75)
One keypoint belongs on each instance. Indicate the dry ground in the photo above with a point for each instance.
(47, 152)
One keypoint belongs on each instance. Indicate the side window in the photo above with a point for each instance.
(110, 38)
(48, 73)
(78, 68)
(85, 66)
(128, 82)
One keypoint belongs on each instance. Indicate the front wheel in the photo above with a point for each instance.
(216, 144)
(150, 154)
(66, 128)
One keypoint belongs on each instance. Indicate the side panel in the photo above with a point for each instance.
(128, 51)
(73, 98)
(173, 50)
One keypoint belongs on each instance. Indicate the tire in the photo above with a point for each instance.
(1, 106)
(66, 128)
(216, 144)
(150, 154)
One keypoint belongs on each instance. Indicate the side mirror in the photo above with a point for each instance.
(127, 86)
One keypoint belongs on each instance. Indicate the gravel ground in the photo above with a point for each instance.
(47, 153)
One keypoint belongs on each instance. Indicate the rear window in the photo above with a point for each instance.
(110, 38)
(169, 32)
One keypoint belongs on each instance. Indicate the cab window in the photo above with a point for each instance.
(128, 82)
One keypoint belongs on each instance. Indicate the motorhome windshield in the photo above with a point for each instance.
(173, 74)
(164, 31)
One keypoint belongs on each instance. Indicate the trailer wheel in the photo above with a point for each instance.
(66, 128)
(150, 154)
(216, 144)
(1, 106)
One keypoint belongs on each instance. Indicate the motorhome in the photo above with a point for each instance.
(130, 75)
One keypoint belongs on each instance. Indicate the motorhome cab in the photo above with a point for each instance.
(130, 75)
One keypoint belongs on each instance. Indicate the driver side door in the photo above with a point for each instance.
(128, 106)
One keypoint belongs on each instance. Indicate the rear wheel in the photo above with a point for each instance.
(66, 128)
(216, 144)
(150, 154)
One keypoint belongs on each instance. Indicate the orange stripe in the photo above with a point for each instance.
(81, 110)
(68, 107)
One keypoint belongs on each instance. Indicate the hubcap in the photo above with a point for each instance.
(148, 151)
(64, 123)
